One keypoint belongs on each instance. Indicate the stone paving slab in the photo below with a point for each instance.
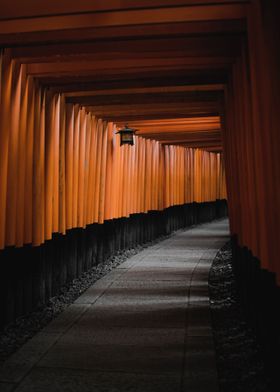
(144, 307)
(169, 274)
(6, 387)
(122, 358)
(167, 263)
(144, 296)
(16, 367)
(61, 323)
(124, 336)
(200, 384)
(144, 327)
(69, 380)
(147, 317)
(200, 357)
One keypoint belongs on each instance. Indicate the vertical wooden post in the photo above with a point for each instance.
(5, 91)
(69, 165)
(56, 131)
(62, 166)
(99, 147)
(81, 169)
(22, 159)
(76, 147)
(49, 165)
(28, 186)
(39, 169)
(92, 170)
(86, 218)
(12, 176)
(103, 163)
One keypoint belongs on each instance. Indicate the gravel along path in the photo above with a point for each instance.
(239, 362)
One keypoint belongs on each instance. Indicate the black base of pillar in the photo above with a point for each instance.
(30, 276)
(260, 299)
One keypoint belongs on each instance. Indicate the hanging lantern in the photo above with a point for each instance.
(127, 135)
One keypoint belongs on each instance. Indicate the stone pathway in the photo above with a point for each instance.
(144, 327)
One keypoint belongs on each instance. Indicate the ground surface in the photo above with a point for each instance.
(155, 318)
(13, 336)
(239, 361)
(145, 326)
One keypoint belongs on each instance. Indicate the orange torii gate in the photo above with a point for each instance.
(62, 168)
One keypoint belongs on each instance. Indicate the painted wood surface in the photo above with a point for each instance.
(62, 168)
(251, 138)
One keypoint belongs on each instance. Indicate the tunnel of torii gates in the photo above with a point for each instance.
(199, 80)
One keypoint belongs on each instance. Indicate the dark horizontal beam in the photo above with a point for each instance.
(161, 130)
(47, 38)
(194, 46)
(191, 143)
(124, 118)
(124, 17)
(121, 67)
(183, 135)
(31, 8)
(175, 122)
(148, 90)
(194, 144)
(134, 80)
(129, 99)
(147, 107)
(177, 125)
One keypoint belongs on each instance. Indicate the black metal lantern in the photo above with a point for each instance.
(127, 135)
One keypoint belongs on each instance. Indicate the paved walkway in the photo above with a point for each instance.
(144, 327)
